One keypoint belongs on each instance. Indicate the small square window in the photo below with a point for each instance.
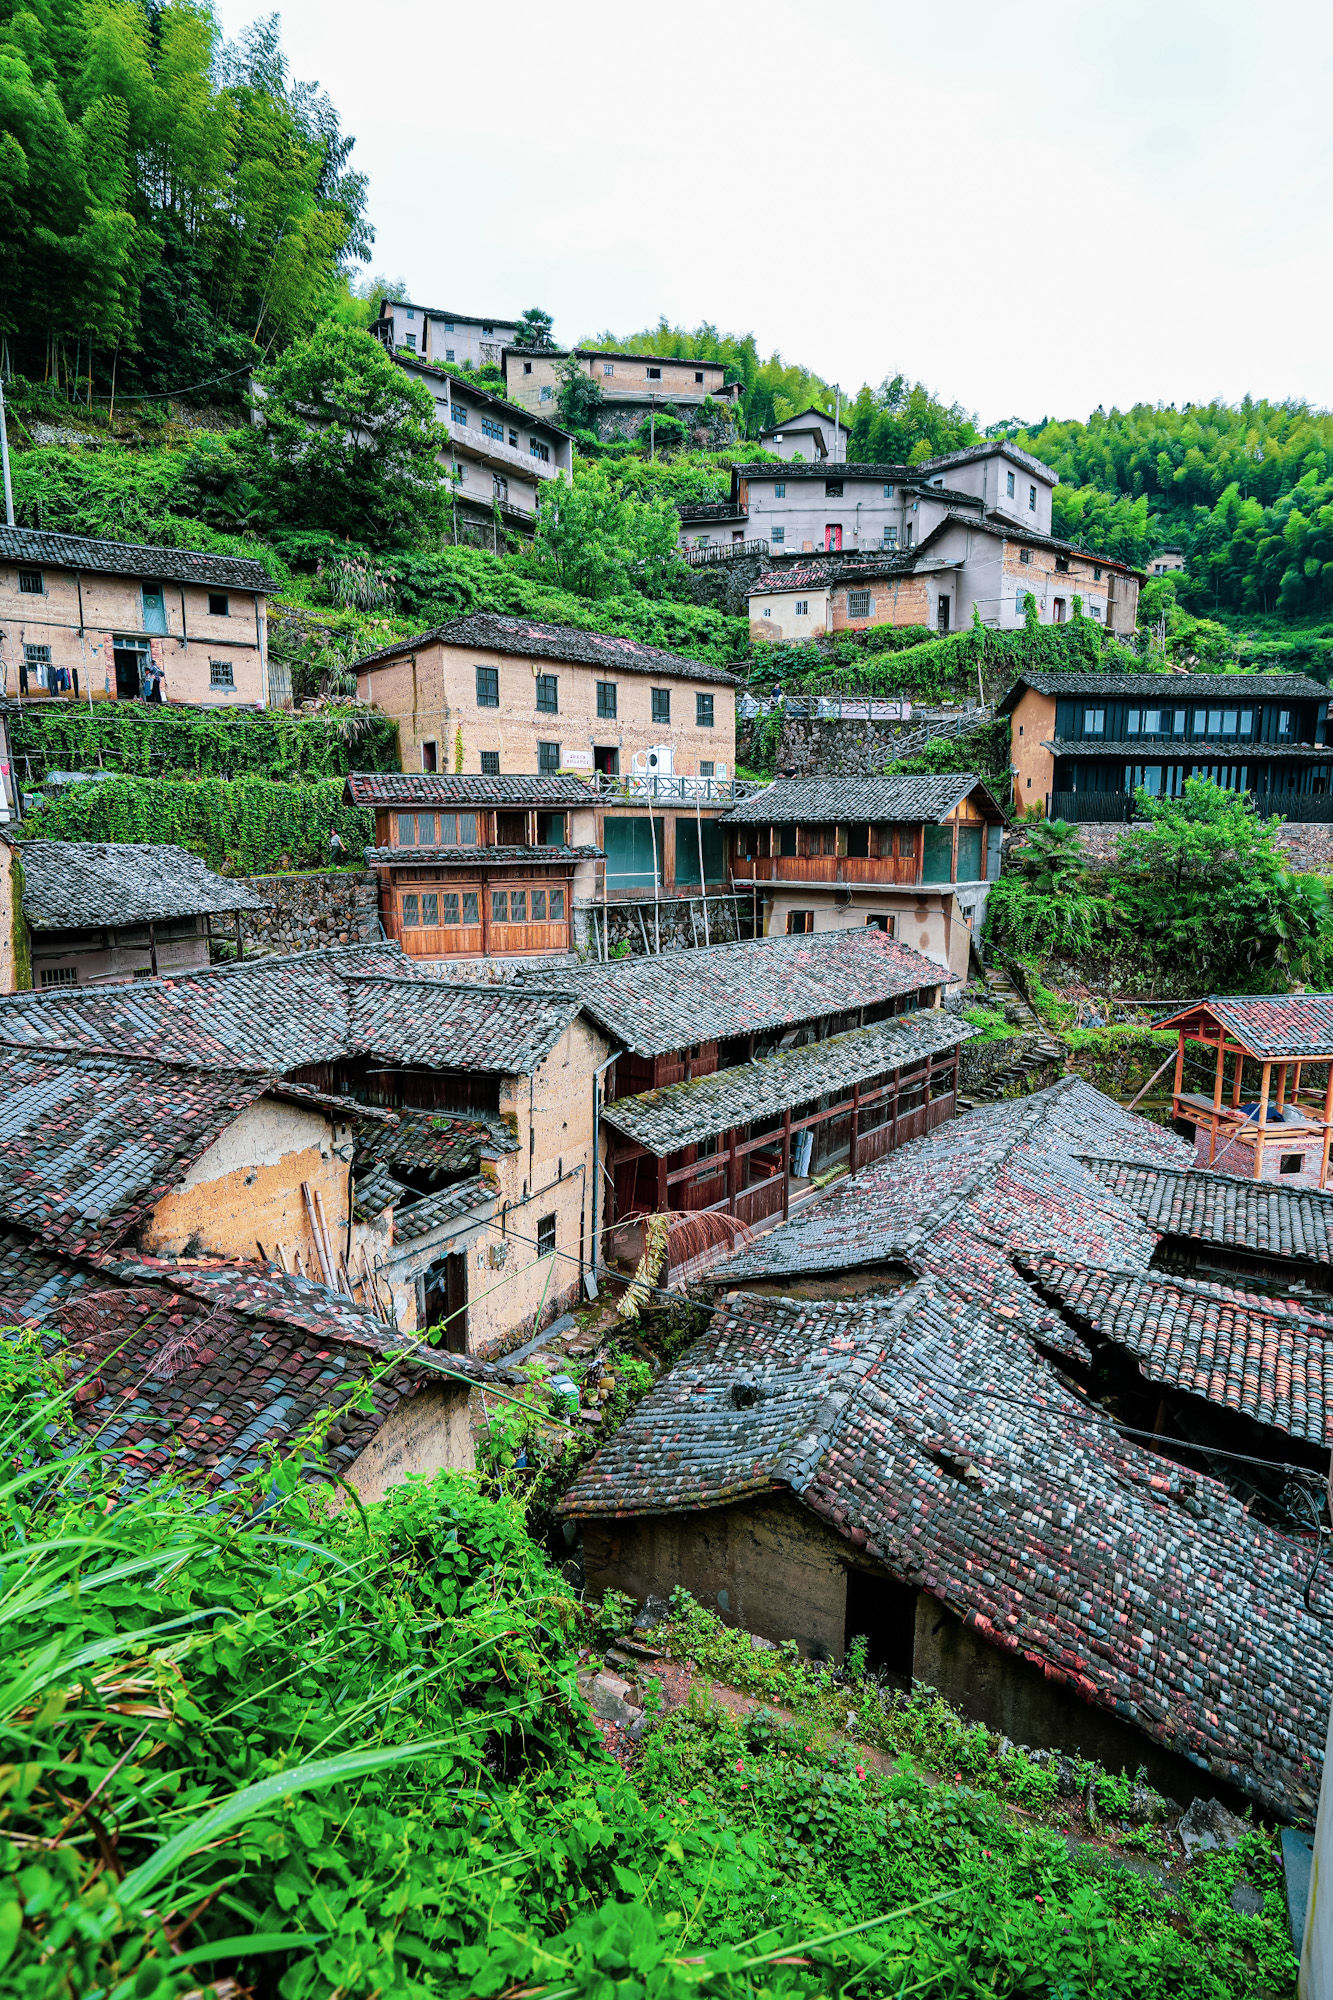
(60, 975)
(488, 687)
(220, 674)
(411, 312)
(698, 374)
(411, 341)
(31, 583)
(653, 374)
(889, 538)
(548, 694)
(1025, 555)
(858, 604)
(608, 368)
(448, 325)
(527, 368)
(487, 331)
(546, 1236)
(490, 763)
(1032, 499)
(799, 922)
(1096, 572)
(777, 536)
(547, 395)
(661, 704)
(803, 607)
(888, 493)
(513, 439)
(1291, 1162)
(548, 756)
(707, 768)
(779, 489)
(219, 604)
(606, 700)
(448, 353)
(703, 711)
(1009, 484)
(833, 489)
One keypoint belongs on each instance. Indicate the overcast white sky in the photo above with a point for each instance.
(1033, 209)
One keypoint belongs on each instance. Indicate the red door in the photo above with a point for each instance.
(833, 536)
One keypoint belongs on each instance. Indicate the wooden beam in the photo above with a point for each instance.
(1263, 1121)
(786, 1163)
(1328, 1125)
(1217, 1098)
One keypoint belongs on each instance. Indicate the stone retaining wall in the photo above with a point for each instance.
(311, 911)
(823, 746)
(1308, 846)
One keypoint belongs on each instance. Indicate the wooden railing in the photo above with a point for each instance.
(883, 869)
(713, 552)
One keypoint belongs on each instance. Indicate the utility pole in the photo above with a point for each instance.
(837, 420)
(4, 457)
(652, 428)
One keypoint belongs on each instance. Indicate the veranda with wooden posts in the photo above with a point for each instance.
(1285, 1133)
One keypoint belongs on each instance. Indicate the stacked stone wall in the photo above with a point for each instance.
(311, 912)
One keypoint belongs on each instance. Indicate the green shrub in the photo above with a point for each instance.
(246, 826)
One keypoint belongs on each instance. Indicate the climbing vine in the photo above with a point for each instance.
(150, 741)
(247, 826)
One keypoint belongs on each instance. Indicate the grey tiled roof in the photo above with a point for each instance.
(1260, 1216)
(494, 1029)
(531, 639)
(971, 453)
(820, 573)
(206, 1366)
(440, 788)
(158, 565)
(681, 1114)
(432, 1211)
(89, 1144)
(273, 1014)
(655, 1004)
(810, 801)
(1271, 1359)
(1141, 1588)
(1272, 1026)
(478, 857)
(1170, 687)
(84, 884)
(1227, 749)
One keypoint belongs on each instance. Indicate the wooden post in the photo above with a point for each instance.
(663, 1196)
(732, 1188)
(1180, 1074)
(152, 947)
(856, 1127)
(786, 1163)
(1263, 1120)
(240, 942)
(1328, 1124)
(1281, 1089)
(1238, 1075)
(1217, 1095)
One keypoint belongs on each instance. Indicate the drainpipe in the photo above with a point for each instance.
(597, 1076)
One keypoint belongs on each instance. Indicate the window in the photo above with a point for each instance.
(703, 711)
(833, 489)
(606, 699)
(1025, 555)
(777, 536)
(800, 921)
(779, 489)
(456, 829)
(538, 449)
(490, 763)
(707, 769)
(31, 583)
(410, 917)
(490, 429)
(499, 906)
(608, 368)
(486, 331)
(60, 975)
(1032, 499)
(1290, 1162)
(653, 374)
(858, 604)
(407, 830)
(1096, 572)
(488, 687)
(1009, 484)
(448, 325)
(518, 906)
(37, 659)
(430, 908)
(220, 674)
(803, 607)
(500, 488)
(546, 1236)
(448, 353)
(219, 604)
(411, 340)
(661, 699)
(880, 921)
(458, 413)
(556, 901)
(547, 395)
(1062, 564)
(513, 439)
(527, 368)
(411, 312)
(548, 756)
(942, 613)
(154, 608)
(430, 756)
(548, 694)
(1284, 728)
(888, 493)
(767, 611)
(1094, 722)
(698, 374)
(889, 538)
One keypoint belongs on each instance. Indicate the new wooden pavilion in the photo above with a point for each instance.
(1284, 1132)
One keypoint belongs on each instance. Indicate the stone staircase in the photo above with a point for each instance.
(1031, 1061)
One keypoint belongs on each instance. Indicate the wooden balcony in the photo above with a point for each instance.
(882, 871)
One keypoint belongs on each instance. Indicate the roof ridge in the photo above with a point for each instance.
(1261, 1304)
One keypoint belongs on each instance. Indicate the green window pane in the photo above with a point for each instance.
(629, 844)
(687, 852)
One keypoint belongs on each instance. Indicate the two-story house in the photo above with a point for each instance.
(1084, 744)
(814, 435)
(497, 695)
(87, 619)
(498, 456)
(447, 339)
(912, 857)
(632, 385)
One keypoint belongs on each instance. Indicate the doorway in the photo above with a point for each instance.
(833, 537)
(606, 758)
(129, 662)
(444, 1300)
(883, 1613)
(942, 615)
(1058, 609)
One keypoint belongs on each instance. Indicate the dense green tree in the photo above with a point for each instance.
(598, 541)
(349, 441)
(580, 398)
(901, 423)
(534, 328)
